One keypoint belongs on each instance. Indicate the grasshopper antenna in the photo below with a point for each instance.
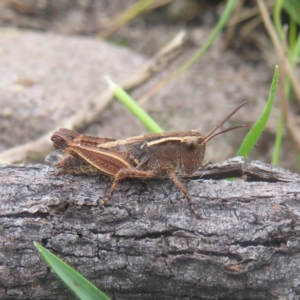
(212, 133)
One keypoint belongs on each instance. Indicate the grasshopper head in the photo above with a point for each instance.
(62, 138)
(192, 148)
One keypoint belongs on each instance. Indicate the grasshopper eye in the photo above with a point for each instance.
(191, 142)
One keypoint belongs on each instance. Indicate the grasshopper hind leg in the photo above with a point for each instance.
(126, 173)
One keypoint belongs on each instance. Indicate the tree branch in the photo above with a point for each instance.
(147, 244)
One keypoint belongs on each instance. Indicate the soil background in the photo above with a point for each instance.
(54, 65)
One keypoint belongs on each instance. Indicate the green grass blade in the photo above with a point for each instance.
(277, 18)
(77, 283)
(228, 10)
(296, 50)
(292, 8)
(134, 107)
(257, 129)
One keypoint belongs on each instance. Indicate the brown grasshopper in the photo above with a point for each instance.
(144, 156)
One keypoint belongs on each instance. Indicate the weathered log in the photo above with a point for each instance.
(147, 244)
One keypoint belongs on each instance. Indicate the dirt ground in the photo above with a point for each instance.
(54, 66)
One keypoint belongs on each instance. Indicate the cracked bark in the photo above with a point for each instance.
(147, 244)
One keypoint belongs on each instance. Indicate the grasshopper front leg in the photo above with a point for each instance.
(127, 173)
(179, 185)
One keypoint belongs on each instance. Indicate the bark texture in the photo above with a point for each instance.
(147, 244)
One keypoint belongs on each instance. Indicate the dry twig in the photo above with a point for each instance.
(278, 47)
(230, 30)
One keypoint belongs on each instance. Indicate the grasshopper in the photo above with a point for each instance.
(144, 156)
